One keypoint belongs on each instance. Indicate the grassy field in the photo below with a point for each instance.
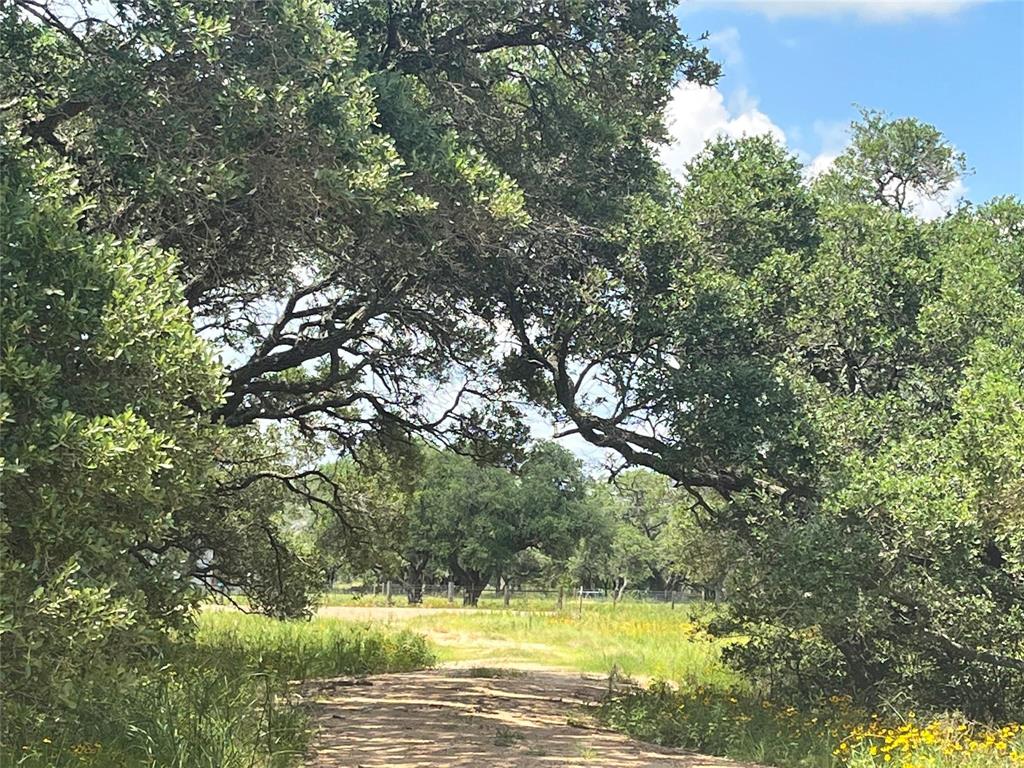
(640, 641)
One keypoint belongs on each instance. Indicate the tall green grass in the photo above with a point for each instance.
(643, 641)
(322, 647)
(220, 700)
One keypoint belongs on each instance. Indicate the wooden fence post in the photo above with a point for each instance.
(561, 598)
(508, 594)
(387, 588)
(451, 592)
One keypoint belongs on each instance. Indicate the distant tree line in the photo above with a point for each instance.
(440, 516)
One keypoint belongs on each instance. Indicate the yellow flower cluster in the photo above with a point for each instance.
(937, 744)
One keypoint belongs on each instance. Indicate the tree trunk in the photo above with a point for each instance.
(473, 591)
(473, 582)
(414, 580)
(619, 589)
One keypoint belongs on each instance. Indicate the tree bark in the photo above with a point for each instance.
(414, 578)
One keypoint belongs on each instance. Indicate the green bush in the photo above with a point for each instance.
(99, 455)
(220, 701)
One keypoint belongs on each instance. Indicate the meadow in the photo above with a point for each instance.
(228, 699)
(638, 641)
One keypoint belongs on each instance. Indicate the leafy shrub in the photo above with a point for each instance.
(221, 701)
(99, 454)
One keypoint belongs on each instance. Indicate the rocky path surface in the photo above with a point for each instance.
(477, 718)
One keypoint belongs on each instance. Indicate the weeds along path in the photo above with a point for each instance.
(477, 718)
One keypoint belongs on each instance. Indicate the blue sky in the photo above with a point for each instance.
(797, 68)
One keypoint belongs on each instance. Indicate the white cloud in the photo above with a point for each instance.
(725, 43)
(833, 136)
(931, 208)
(819, 164)
(698, 113)
(867, 10)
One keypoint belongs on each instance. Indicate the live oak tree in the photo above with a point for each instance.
(807, 363)
(447, 514)
(656, 511)
(894, 162)
(624, 545)
(643, 533)
(475, 520)
(347, 187)
(342, 183)
(246, 137)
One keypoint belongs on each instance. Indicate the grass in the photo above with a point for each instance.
(741, 725)
(222, 701)
(488, 601)
(691, 700)
(733, 722)
(301, 650)
(643, 641)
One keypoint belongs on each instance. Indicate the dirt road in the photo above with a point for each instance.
(477, 718)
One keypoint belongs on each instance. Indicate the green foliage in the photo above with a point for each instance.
(308, 649)
(889, 161)
(351, 175)
(443, 512)
(221, 702)
(737, 724)
(837, 386)
(728, 722)
(909, 577)
(100, 454)
(110, 518)
(183, 714)
(362, 200)
(642, 532)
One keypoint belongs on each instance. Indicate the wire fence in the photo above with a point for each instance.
(397, 591)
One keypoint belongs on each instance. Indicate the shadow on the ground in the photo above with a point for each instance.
(468, 719)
